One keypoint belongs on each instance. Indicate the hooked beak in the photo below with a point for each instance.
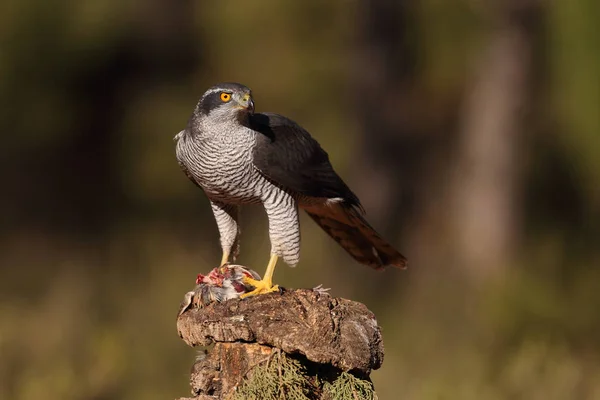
(247, 103)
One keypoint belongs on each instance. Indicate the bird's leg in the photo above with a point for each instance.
(266, 284)
(227, 216)
(225, 258)
(284, 233)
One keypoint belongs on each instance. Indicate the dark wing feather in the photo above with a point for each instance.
(287, 155)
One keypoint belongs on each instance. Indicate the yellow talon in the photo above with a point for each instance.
(260, 287)
(265, 285)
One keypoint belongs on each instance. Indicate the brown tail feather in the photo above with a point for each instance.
(349, 228)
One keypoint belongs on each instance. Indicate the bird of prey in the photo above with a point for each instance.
(238, 157)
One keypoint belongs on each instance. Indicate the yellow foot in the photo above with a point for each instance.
(260, 287)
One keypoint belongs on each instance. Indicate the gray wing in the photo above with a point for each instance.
(287, 155)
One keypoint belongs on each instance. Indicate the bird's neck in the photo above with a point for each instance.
(216, 129)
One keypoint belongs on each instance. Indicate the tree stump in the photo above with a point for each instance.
(296, 344)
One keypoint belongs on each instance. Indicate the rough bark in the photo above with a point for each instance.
(324, 336)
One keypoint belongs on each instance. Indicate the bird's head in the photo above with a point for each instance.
(226, 102)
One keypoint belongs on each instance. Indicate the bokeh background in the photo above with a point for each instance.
(470, 129)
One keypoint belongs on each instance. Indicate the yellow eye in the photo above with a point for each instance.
(225, 97)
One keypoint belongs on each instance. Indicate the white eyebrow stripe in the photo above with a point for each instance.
(215, 91)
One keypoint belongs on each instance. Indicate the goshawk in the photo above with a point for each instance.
(237, 157)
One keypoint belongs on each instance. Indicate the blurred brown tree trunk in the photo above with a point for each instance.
(458, 180)
(484, 191)
(384, 62)
(75, 176)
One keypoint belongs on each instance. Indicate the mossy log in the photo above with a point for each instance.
(297, 344)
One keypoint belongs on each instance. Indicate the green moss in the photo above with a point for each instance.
(348, 386)
(281, 377)
(285, 377)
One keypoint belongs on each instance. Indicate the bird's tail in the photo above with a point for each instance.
(347, 226)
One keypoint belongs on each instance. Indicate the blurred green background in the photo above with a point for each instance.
(469, 129)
